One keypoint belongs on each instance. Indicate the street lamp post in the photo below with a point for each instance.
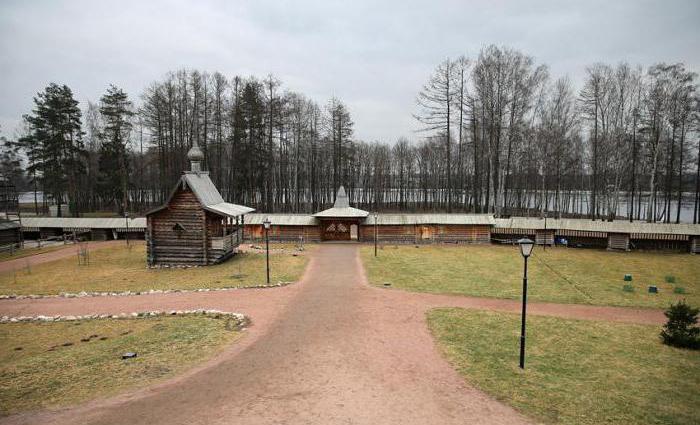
(375, 234)
(267, 224)
(526, 246)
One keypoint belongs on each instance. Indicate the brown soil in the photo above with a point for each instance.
(330, 349)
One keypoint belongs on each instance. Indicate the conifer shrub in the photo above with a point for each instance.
(681, 329)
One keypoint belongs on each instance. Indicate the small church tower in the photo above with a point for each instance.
(195, 226)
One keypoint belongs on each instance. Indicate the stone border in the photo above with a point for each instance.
(130, 293)
(241, 319)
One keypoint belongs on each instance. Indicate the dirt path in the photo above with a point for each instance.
(68, 251)
(328, 350)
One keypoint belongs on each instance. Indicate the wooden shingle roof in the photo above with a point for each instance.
(207, 194)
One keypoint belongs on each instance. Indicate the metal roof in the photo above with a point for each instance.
(207, 194)
(203, 187)
(341, 208)
(231, 210)
(618, 226)
(341, 199)
(348, 212)
(416, 219)
(135, 224)
(382, 219)
(282, 219)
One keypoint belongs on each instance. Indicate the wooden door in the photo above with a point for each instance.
(336, 230)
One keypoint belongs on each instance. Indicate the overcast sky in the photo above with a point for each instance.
(375, 57)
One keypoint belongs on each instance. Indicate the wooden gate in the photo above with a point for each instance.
(336, 230)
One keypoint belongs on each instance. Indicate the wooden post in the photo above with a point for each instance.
(149, 241)
(238, 232)
(204, 237)
(242, 228)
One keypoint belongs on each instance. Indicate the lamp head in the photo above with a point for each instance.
(526, 245)
(267, 223)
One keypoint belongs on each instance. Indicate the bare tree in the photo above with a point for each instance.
(436, 101)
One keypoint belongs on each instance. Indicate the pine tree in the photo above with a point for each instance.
(116, 112)
(10, 162)
(54, 144)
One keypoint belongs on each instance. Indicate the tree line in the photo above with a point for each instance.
(498, 135)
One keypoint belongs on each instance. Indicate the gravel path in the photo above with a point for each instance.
(69, 251)
(328, 350)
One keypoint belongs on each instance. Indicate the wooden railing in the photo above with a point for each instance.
(11, 248)
(225, 243)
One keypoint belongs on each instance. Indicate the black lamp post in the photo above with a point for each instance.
(375, 234)
(526, 246)
(267, 224)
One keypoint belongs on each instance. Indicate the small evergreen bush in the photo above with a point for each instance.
(679, 290)
(681, 330)
(670, 278)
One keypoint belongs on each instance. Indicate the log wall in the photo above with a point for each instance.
(388, 233)
(695, 245)
(619, 241)
(427, 233)
(464, 233)
(256, 232)
(176, 234)
(544, 237)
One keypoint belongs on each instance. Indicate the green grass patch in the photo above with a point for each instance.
(582, 276)
(576, 372)
(48, 365)
(123, 269)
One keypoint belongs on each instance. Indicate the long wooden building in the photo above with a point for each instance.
(614, 235)
(411, 228)
(91, 228)
(195, 226)
(390, 228)
(345, 223)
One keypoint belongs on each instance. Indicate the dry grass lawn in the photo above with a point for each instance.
(582, 276)
(576, 372)
(121, 269)
(47, 365)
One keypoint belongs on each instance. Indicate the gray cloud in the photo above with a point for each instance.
(373, 55)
